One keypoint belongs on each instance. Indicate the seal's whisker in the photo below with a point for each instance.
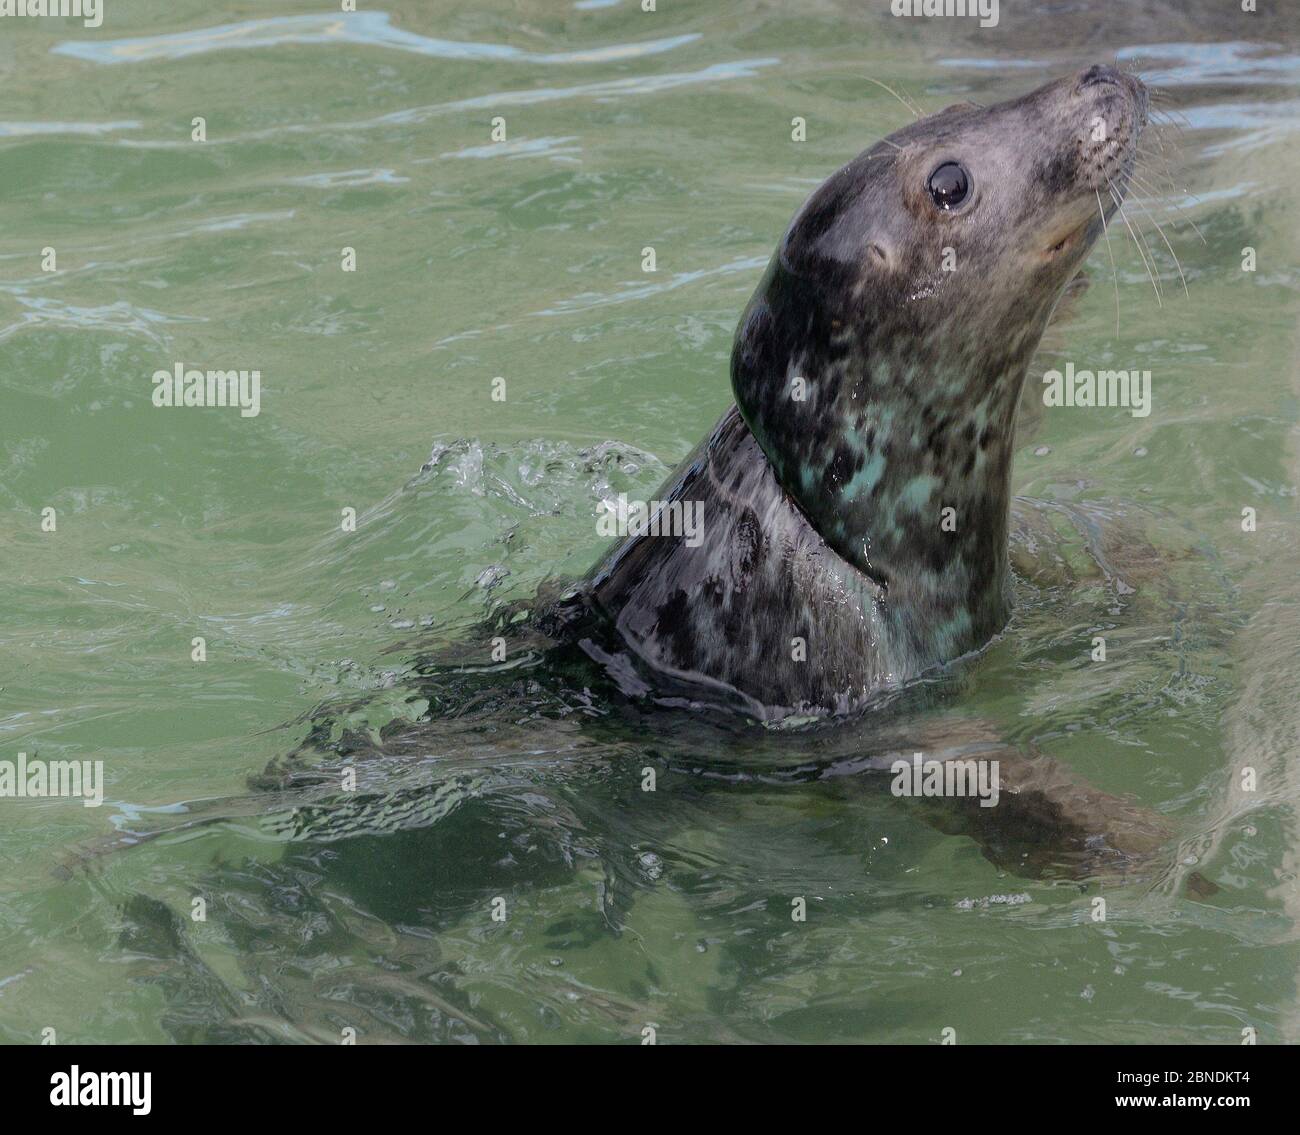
(1163, 122)
(1159, 180)
(1164, 116)
(1119, 208)
(1155, 133)
(1162, 156)
(1161, 153)
(1174, 187)
(1166, 135)
(1141, 205)
(1171, 203)
(1144, 248)
(1163, 130)
(1114, 274)
(1153, 269)
(1162, 191)
(1154, 173)
(912, 109)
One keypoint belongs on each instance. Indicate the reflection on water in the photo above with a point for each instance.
(394, 832)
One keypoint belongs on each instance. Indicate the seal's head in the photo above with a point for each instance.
(1019, 189)
(880, 361)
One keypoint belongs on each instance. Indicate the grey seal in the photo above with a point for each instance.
(855, 499)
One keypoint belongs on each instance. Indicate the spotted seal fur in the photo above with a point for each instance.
(855, 499)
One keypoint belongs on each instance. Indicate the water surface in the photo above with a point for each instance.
(522, 259)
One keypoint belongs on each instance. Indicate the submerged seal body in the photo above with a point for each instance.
(855, 500)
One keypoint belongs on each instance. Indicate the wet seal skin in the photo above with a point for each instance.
(855, 500)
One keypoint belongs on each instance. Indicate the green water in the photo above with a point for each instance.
(522, 259)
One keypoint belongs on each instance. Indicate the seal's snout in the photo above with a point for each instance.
(1113, 106)
(1104, 81)
(1099, 73)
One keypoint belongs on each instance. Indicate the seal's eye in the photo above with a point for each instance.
(949, 185)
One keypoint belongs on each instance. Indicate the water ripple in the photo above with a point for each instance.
(520, 148)
(607, 89)
(368, 29)
(349, 179)
(33, 129)
(589, 300)
(119, 316)
(1193, 64)
(636, 84)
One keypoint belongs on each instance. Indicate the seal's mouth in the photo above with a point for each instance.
(1067, 241)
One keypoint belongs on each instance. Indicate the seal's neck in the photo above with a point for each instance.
(895, 440)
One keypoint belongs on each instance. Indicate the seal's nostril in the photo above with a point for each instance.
(1099, 73)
